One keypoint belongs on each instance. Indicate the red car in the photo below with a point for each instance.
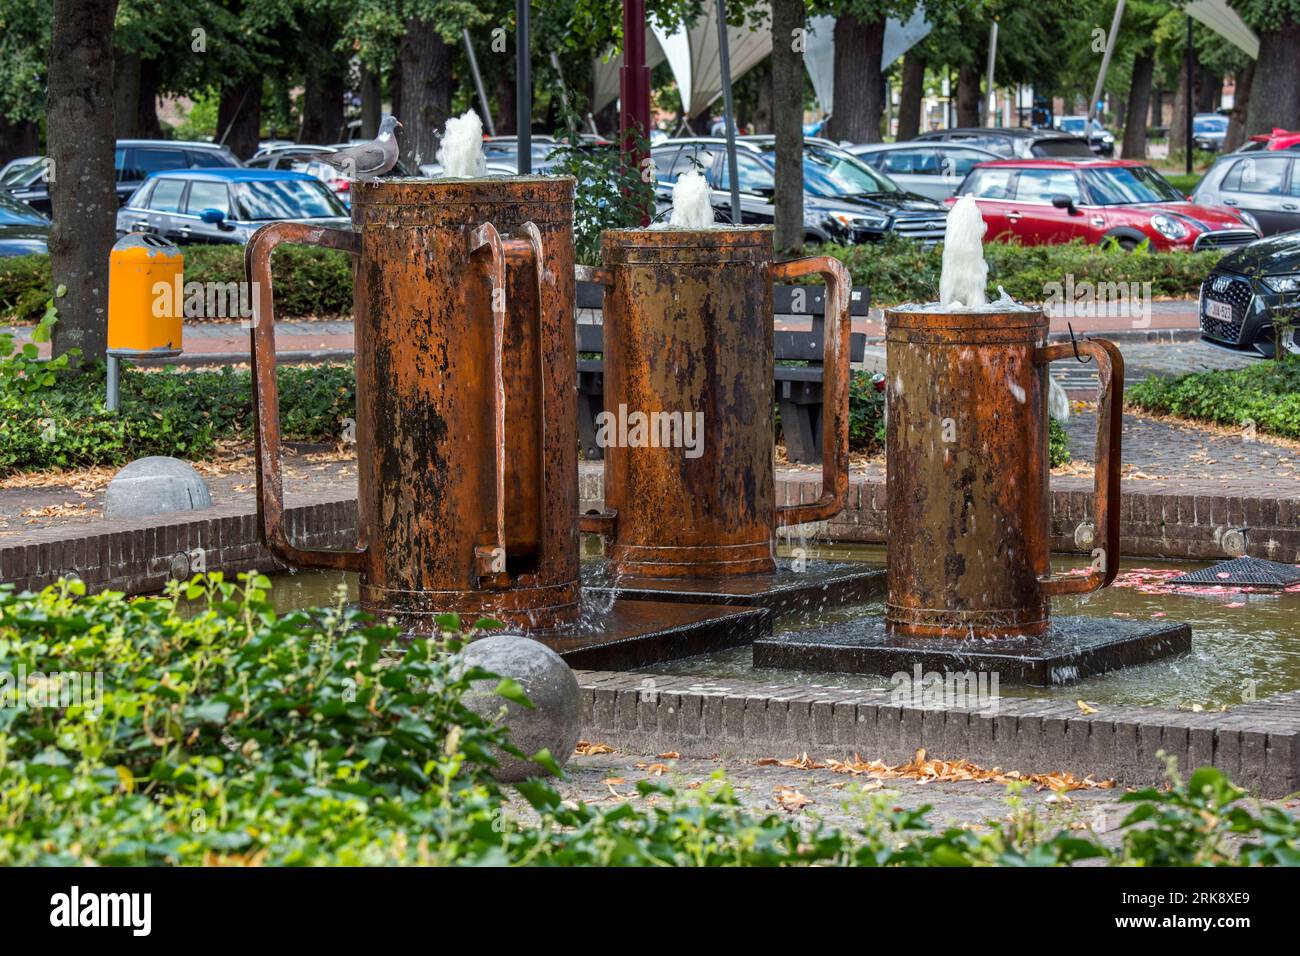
(1041, 201)
(1278, 139)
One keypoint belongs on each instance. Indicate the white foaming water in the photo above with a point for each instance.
(965, 273)
(691, 209)
(461, 152)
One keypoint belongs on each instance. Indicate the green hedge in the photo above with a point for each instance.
(319, 281)
(1265, 394)
(220, 733)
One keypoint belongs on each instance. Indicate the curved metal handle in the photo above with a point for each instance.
(1106, 489)
(835, 388)
(266, 396)
(490, 560)
(606, 522)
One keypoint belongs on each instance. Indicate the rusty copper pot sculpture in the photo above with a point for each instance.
(968, 499)
(464, 310)
(688, 332)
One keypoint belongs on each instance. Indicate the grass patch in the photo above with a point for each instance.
(1265, 395)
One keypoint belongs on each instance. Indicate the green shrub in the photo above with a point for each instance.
(210, 730)
(1265, 395)
(1058, 443)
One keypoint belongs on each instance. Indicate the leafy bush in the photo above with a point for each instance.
(1265, 395)
(1058, 443)
(217, 732)
(307, 281)
(866, 414)
(903, 270)
(63, 423)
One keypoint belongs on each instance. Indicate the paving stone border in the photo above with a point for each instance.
(1257, 745)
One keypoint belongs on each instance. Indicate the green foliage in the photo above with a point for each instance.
(609, 195)
(208, 730)
(62, 423)
(1058, 443)
(866, 414)
(902, 270)
(1265, 395)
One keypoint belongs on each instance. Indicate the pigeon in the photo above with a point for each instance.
(368, 160)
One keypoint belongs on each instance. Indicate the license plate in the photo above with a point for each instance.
(1218, 310)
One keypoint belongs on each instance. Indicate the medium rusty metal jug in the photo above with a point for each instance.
(688, 332)
(968, 500)
(464, 312)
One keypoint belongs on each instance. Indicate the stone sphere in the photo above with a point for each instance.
(154, 486)
(555, 719)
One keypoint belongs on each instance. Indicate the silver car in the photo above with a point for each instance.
(929, 169)
(1264, 184)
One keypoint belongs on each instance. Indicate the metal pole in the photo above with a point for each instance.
(1191, 93)
(993, 56)
(724, 57)
(111, 401)
(634, 87)
(1105, 68)
(523, 90)
(484, 108)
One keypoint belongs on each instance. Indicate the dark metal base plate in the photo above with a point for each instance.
(1074, 648)
(815, 587)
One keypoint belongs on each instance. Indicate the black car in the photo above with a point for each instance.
(845, 200)
(23, 230)
(1015, 142)
(133, 160)
(1253, 294)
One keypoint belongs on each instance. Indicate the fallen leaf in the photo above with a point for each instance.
(586, 749)
(1085, 708)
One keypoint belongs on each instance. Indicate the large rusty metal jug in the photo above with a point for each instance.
(969, 506)
(688, 331)
(464, 311)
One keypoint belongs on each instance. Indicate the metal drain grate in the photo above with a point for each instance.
(1244, 572)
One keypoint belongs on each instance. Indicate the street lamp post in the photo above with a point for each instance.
(634, 85)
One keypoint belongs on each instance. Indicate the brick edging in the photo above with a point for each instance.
(1257, 745)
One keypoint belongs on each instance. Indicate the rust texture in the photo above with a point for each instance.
(688, 339)
(966, 436)
(466, 398)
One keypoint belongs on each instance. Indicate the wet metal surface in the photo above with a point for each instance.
(966, 442)
(688, 332)
(466, 406)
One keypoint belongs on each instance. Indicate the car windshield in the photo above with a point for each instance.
(830, 173)
(1210, 124)
(286, 199)
(13, 213)
(1119, 185)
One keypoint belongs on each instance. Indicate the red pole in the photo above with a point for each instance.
(634, 84)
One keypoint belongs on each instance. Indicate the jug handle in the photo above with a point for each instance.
(1106, 487)
(604, 522)
(266, 397)
(489, 560)
(835, 388)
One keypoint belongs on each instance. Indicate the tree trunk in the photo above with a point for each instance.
(1209, 87)
(859, 87)
(1236, 135)
(426, 91)
(326, 82)
(1157, 107)
(17, 139)
(239, 116)
(787, 123)
(1275, 93)
(968, 95)
(607, 119)
(395, 89)
(506, 118)
(372, 103)
(1178, 122)
(79, 123)
(1139, 93)
(126, 93)
(762, 117)
(911, 96)
(147, 125)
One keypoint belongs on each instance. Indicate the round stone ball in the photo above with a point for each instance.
(154, 486)
(554, 720)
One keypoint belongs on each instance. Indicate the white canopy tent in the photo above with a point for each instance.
(819, 57)
(1226, 22)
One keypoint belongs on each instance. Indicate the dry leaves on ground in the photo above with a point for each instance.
(78, 510)
(791, 800)
(585, 748)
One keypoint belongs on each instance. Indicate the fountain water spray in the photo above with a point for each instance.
(461, 152)
(691, 208)
(965, 273)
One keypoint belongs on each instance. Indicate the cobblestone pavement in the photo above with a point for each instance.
(837, 799)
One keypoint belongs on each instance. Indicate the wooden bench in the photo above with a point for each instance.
(798, 387)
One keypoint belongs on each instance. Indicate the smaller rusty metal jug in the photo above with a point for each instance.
(968, 499)
(688, 332)
(466, 398)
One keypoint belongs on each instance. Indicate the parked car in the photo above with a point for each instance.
(1264, 142)
(1014, 142)
(1101, 140)
(23, 230)
(1209, 130)
(227, 205)
(928, 169)
(133, 160)
(1264, 184)
(1040, 201)
(845, 200)
(14, 168)
(304, 158)
(1249, 291)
